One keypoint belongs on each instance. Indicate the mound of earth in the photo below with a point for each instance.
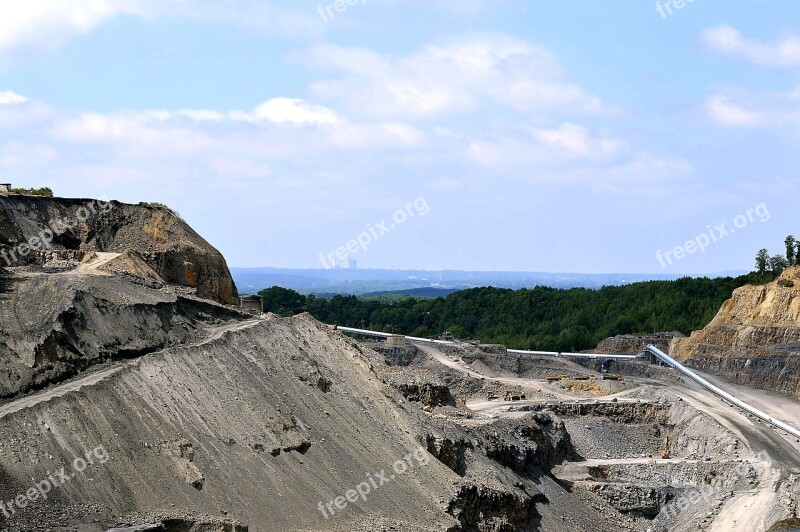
(127, 263)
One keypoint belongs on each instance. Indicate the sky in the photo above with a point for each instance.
(590, 137)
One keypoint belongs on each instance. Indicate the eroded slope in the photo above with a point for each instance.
(53, 326)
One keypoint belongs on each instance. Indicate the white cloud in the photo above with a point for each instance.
(575, 141)
(470, 7)
(447, 133)
(130, 131)
(503, 103)
(445, 184)
(11, 98)
(726, 113)
(22, 115)
(567, 144)
(486, 153)
(295, 111)
(643, 174)
(269, 130)
(462, 76)
(202, 115)
(783, 52)
(263, 17)
(568, 157)
(384, 135)
(240, 167)
(737, 107)
(20, 155)
(48, 23)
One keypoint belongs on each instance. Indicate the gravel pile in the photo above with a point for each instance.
(598, 438)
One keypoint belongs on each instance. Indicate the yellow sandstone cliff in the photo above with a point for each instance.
(755, 337)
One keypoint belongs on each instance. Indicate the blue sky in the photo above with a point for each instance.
(538, 135)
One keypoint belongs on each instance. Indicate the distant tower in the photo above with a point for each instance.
(441, 277)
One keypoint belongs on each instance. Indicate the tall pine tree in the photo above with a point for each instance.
(791, 251)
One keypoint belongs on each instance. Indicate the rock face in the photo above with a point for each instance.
(630, 344)
(755, 337)
(419, 386)
(616, 412)
(500, 500)
(397, 356)
(641, 501)
(39, 230)
(755, 321)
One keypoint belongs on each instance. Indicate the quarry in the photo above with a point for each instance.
(137, 394)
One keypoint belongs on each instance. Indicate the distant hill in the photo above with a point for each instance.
(414, 292)
(362, 282)
(396, 295)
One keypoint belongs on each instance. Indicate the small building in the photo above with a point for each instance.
(252, 304)
(5, 188)
(396, 340)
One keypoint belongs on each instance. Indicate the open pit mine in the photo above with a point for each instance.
(137, 394)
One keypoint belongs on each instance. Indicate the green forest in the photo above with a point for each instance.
(537, 318)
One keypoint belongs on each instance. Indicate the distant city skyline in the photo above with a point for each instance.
(468, 135)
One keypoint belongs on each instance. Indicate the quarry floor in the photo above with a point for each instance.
(746, 511)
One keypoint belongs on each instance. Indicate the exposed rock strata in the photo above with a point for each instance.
(78, 226)
(754, 339)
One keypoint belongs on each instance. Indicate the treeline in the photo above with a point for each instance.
(44, 191)
(770, 267)
(540, 318)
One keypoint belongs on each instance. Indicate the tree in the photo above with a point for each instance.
(791, 257)
(283, 301)
(777, 264)
(762, 262)
(421, 332)
(44, 191)
(574, 338)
